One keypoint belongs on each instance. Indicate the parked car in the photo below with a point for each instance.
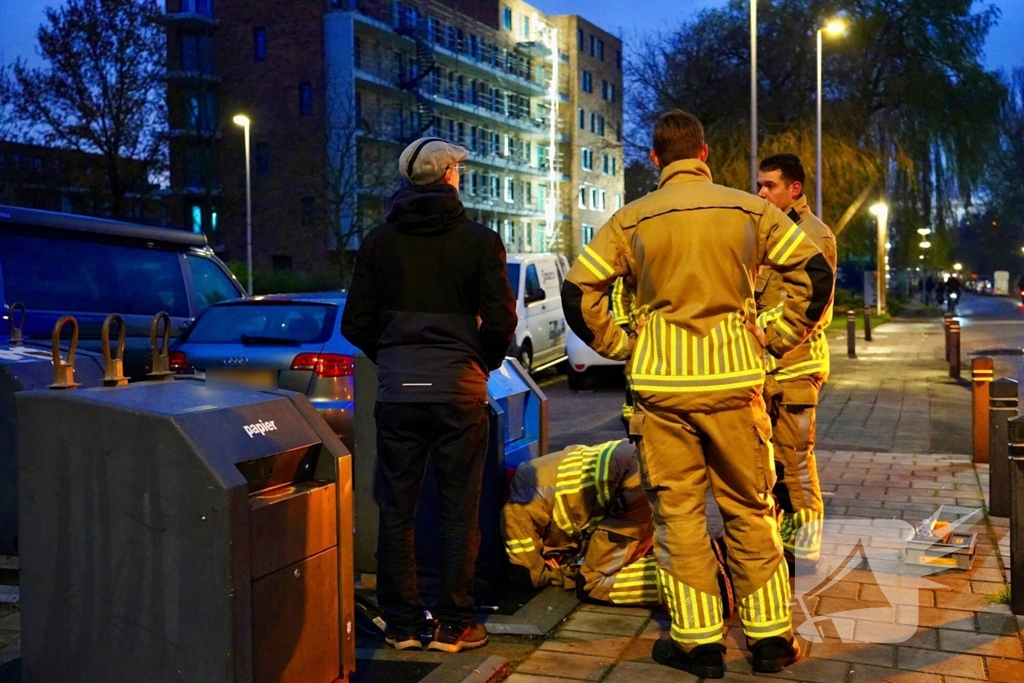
(289, 342)
(584, 362)
(60, 264)
(536, 281)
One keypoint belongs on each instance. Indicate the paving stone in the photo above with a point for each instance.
(527, 678)
(643, 612)
(968, 601)
(638, 650)
(565, 665)
(1004, 670)
(896, 634)
(582, 643)
(12, 622)
(896, 595)
(938, 662)
(998, 623)
(879, 655)
(608, 624)
(863, 673)
(813, 670)
(879, 611)
(632, 672)
(981, 643)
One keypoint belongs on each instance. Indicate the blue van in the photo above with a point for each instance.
(60, 264)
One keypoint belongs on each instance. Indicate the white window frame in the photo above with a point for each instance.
(587, 233)
(593, 199)
(602, 204)
(587, 159)
(582, 197)
(510, 189)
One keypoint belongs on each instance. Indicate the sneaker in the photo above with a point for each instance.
(403, 641)
(449, 637)
(703, 661)
(774, 654)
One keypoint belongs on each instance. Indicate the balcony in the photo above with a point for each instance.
(190, 77)
(188, 21)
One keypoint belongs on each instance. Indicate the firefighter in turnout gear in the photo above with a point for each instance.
(623, 315)
(584, 500)
(793, 381)
(696, 366)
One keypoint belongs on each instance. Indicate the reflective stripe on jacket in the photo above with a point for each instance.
(810, 359)
(693, 249)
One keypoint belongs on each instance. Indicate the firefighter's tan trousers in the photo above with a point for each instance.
(793, 407)
(680, 453)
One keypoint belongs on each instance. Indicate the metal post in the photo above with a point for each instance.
(981, 378)
(1016, 457)
(867, 323)
(753, 98)
(954, 349)
(817, 143)
(1003, 407)
(851, 334)
(248, 216)
(946, 320)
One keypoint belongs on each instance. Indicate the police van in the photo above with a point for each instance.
(536, 281)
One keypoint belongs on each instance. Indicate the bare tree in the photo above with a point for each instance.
(101, 90)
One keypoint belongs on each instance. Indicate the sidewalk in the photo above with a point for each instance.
(894, 434)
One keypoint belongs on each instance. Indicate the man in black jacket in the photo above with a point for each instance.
(431, 305)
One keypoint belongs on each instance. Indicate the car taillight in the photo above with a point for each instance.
(325, 364)
(178, 361)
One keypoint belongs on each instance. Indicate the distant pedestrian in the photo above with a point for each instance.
(929, 287)
(431, 305)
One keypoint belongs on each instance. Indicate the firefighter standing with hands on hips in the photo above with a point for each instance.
(692, 249)
(793, 381)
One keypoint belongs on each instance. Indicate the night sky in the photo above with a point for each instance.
(20, 18)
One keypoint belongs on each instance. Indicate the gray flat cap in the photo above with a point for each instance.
(424, 161)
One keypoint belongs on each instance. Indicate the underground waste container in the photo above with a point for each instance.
(177, 531)
(518, 431)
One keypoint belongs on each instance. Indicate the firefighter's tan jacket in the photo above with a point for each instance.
(690, 250)
(810, 359)
(557, 500)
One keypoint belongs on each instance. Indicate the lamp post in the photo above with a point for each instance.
(243, 121)
(753, 97)
(833, 28)
(881, 212)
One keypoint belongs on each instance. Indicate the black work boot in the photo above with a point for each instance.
(774, 654)
(703, 661)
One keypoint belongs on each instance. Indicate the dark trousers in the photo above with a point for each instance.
(454, 435)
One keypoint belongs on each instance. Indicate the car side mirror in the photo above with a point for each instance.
(534, 295)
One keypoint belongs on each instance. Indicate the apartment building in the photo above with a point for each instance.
(335, 88)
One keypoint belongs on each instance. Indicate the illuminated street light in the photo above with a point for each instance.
(925, 244)
(923, 231)
(834, 28)
(957, 267)
(881, 212)
(243, 121)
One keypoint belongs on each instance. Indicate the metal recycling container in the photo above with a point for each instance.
(25, 367)
(179, 531)
(518, 432)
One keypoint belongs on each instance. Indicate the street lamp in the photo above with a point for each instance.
(881, 212)
(753, 97)
(243, 121)
(957, 267)
(925, 244)
(923, 231)
(834, 28)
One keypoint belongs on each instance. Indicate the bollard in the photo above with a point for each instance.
(851, 334)
(1003, 408)
(981, 378)
(867, 323)
(946, 320)
(954, 349)
(1016, 457)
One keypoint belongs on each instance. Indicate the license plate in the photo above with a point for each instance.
(257, 379)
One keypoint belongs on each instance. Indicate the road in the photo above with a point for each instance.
(993, 325)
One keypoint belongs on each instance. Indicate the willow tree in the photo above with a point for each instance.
(908, 108)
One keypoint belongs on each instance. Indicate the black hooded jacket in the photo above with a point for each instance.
(430, 301)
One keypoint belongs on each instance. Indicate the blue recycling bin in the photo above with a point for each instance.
(518, 432)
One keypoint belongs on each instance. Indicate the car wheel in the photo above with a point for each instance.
(525, 357)
(578, 381)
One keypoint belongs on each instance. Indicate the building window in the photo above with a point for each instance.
(259, 43)
(592, 42)
(600, 125)
(588, 234)
(588, 159)
(473, 180)
(506, 18)
(611, 92)
(579, 39)
(357, 52)
(601, 201)
(262, 159)
(618, 202)
(593, 122)
(307, 211)
(510, 234)
(510, 189)
(618, 60)
(526, 27)
(196, 6)
(306, 98)
(582, 200)
(508, 145)
(614, 163)
(604, 164)
(586, 81)
(600, 50)
(583, 119)
(197, 53)
(282, 262)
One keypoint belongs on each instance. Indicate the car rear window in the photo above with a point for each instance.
(48, 274)
(264, 323)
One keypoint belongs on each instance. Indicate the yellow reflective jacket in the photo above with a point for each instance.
(810, 359)
(557, 500)
(693, 250)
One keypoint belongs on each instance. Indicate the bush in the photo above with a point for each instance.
(845, 299)
(895, 306)
(286, 281)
